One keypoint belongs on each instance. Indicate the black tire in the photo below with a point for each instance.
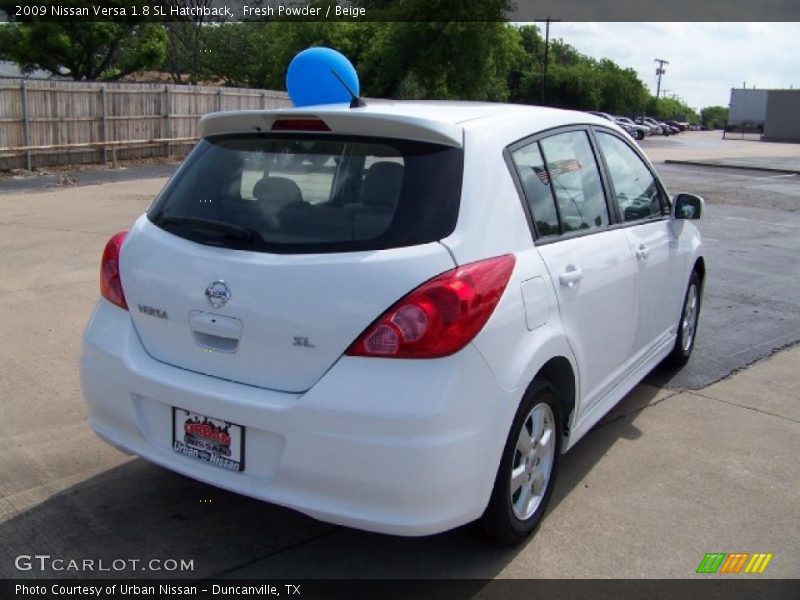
(499, 520)
(639, 134)
(682, 350)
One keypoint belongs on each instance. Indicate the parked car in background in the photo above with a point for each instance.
(403, 330)
(639, 131)
(655, 128)
(662, 126)
(627, 129)
(604, 115)
(678, 125)
(668, 129)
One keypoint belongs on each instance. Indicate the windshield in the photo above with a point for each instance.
(298, 194)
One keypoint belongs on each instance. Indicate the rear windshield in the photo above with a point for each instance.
(305, 194)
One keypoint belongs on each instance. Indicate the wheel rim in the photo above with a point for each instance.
(689, 321)
(533, 461)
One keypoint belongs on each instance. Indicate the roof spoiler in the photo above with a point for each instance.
(366, 123)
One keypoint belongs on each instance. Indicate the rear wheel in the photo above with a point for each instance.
(687, 326)
(526, 475)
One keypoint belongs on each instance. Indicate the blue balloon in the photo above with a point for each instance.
(312, 77)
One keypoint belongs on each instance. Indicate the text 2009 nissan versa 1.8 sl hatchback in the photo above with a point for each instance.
(393, 317)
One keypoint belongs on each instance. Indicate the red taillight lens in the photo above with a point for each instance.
(110, 283)
(300, 125)
(441, 316)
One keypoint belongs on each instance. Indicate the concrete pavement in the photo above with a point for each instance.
(708, 148)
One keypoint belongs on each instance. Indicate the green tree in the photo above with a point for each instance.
(620, 90)
(524, 76)
(671, 108)
(468, 61)
(564, 54)
(240, 54)
(186, 43)
(573, 86)
(257, 53)
(84, 50)
(714, 117)
(574, 80)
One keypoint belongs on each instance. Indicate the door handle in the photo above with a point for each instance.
(642, 252)
(570, 277)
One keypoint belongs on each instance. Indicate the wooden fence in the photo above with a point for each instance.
(45, 123)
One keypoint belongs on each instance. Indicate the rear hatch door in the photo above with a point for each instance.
(266, 256)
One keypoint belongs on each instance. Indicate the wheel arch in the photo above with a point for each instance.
(558, 370)
(700, 268)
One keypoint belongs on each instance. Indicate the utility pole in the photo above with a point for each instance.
(547, 22)
(660, 71)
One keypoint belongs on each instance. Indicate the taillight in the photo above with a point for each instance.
(110, 283)
(441, 316)
(300, 125)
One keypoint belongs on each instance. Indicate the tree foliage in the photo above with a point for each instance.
(714, 117)
(186, 43)
(671, 108)
(468, 61)
(479, 57)
(83, 49)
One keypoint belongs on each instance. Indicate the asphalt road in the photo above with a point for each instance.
(670, 475)
(752, 297)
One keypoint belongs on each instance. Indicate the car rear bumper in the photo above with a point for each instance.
(395, 446)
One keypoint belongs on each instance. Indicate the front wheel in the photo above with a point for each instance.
(687, 326)
(526, 475)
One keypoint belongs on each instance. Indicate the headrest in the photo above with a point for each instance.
(382, 184)
(278, 190)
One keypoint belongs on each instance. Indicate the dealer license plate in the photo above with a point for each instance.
(207, 439)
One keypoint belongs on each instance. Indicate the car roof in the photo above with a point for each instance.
(426, 120)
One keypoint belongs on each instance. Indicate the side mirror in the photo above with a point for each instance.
(687, 206)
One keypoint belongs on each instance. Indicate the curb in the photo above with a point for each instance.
(700, 163)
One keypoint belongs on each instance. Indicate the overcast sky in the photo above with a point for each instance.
(705, 59)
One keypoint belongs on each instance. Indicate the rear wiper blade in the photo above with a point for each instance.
(229, 230)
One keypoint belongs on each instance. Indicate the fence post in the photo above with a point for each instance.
(263, 101)
(104, 123)
(219, 99)
(26, 134)
(167, 112)
(113, 139)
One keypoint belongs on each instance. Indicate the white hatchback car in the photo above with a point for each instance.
(393, 317)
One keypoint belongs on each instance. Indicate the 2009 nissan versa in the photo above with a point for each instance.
(394, 317)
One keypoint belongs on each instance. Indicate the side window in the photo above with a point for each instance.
(576, 181)
(536, 185)
(634, 185)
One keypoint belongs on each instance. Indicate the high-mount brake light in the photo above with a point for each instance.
(110, 282)
(439, 317)
(300, 125)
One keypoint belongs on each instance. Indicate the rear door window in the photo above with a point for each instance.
(576, 182)
(303, 194)
(536, 186)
